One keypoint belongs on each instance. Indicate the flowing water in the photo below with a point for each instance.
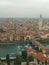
(10, 49)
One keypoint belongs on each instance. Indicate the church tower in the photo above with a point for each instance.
(40, 22)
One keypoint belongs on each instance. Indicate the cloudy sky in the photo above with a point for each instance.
(24, 8)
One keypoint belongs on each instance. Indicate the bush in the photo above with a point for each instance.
(17, 60)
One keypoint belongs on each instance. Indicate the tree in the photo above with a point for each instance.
(0, 62)
(7, 59)
(27, 60)
(30, 58)
(45, 62)
(24, 55)
(17, 60)
(38, 61)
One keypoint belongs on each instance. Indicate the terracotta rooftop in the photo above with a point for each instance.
(41, 57)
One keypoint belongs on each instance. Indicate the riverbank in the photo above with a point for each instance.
(44, 42)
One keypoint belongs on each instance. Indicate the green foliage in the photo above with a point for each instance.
(23, 58)
(17, 60)
(27, 62)
(7, 59)
(0, 62)
(30, 58)
(24, 55)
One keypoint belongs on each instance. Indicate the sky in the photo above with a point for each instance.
(24, 8)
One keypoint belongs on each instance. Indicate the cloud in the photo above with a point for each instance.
(19, 4)
(24, 3)
(24, 7)
(5, 3)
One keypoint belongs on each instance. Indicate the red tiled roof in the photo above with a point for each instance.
(47, 59)
(46, 32)
(30, 51)
(40, 57)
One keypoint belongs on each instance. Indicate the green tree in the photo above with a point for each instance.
(17, 60)
(0, 62)
(24, 55)
(30, 58)
(27, 60)
(7, 59)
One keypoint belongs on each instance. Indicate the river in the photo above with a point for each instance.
(10, 49)
(14, 48)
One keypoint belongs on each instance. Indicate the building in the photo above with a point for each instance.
(40, 22)
(45, 35)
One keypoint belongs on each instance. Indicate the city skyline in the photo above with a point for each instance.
(24, 8)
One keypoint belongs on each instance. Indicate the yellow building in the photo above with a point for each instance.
(17, 38)
(45, 27)
(44, 36)
(28, 37)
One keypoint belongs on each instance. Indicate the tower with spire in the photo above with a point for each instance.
(40, 22)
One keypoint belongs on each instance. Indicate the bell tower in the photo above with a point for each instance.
(40, 22)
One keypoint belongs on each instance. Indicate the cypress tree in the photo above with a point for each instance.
(7, 59)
